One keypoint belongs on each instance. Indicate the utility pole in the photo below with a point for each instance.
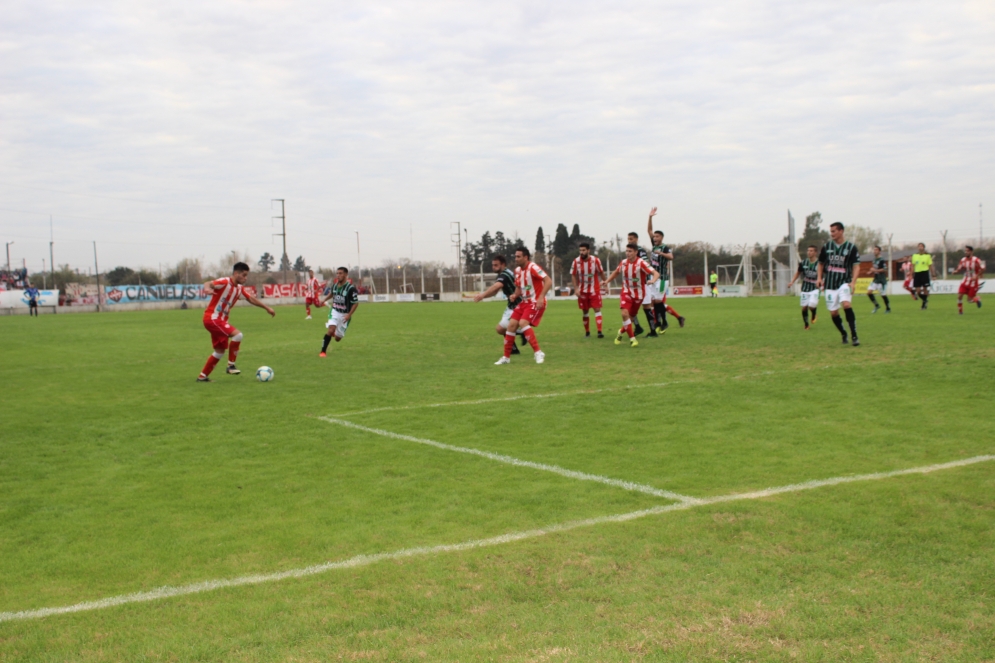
(457, 239)
(411, 234)
(981, 227)
(96, 269)
(770, 270)
(891, 265)
(283, 220)
(8, 256)
(707, 283)
(44, 282)
(359, 260)
(51, 249)
(466, 243)
(793, 249)
(944, 233)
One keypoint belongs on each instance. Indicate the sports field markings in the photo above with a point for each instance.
(366, 560)
(501, 458)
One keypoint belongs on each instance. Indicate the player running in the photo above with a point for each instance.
(838, 265)
(532, 284)
(587, 274)
(505, 283)
(660, 257)
(973, 268)
(345, 301)
(809, 270)
(633, 238)
(922, 266)
(907, 284)
(880, 283)
(312, 291)
(226, 292)
(634, 271)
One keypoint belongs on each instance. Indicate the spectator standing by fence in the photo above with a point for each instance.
(31, 293)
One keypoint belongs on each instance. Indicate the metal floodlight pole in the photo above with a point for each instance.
(51, 248)
(457, 239)
(944, 233)
(96, 270)
(8, 256)
(283, 221)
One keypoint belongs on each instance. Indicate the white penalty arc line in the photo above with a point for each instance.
(366, 560)
(501, 458)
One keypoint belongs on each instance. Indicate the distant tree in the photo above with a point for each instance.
(148, 277)
(121, 276)
(285, 264)
(266, 261)
(813, 234)
(561, 241)
(540, 241)
(300, 265)
(863, 237)
(575, 235)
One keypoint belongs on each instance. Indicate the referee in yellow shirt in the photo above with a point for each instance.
(922, 268)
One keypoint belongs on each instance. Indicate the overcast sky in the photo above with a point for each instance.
(162, 130)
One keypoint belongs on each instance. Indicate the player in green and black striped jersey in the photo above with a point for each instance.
(345, 301)
(660, 257)
(808, 269)
(839, 262)
(505, 282)
(880, 283)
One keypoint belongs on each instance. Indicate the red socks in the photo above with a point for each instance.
(509, 344)
(672, 312)
(587, 324)
(530, 336)
(627, 328)
(212, 361)
(597, 320)
(233, 351)
(308, 309)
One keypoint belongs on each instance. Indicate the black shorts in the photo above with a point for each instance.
(920, 280)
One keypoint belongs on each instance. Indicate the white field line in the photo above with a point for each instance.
(366, 560)
(483, 401)
(555, 469)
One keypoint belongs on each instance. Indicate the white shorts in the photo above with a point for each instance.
(875, 287)
(506, 317)
(654, 292)
(810, 299)
(835, 298)
(339, 322)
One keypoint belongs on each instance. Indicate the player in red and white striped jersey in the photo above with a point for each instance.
(312, 291)
(973, 268)
(907, 284)
(587, 275)
(634, 271)
(226, 291)
(531, 286)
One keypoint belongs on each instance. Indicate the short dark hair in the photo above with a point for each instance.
(343, 269)
(500, 258)
(240, 267)
(634, 234)
(658, 232)
(584, 245)
(524, 250)
(969, 247)
(813, 246)
(877, 247)
(837, 225)
(634, 247)
(922, 244)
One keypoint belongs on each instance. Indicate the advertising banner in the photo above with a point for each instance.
(275, 291)
(17, 299)
(687, 291)
(177, 292)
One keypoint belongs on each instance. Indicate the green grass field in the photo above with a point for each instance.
(119, 474)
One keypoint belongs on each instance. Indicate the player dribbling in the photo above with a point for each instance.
(226, 291)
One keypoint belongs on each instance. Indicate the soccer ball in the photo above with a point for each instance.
(264, 374)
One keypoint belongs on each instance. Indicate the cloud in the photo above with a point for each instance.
(501, 116)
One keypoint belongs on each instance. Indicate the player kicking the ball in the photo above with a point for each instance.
(839, 263)
(345, 301)
(809, 269)
(634, 271)
(531, 286)
(587, 275)
(973, 269)
(312, 291)
(226, 292)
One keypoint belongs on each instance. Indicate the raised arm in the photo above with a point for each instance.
(649, 223)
